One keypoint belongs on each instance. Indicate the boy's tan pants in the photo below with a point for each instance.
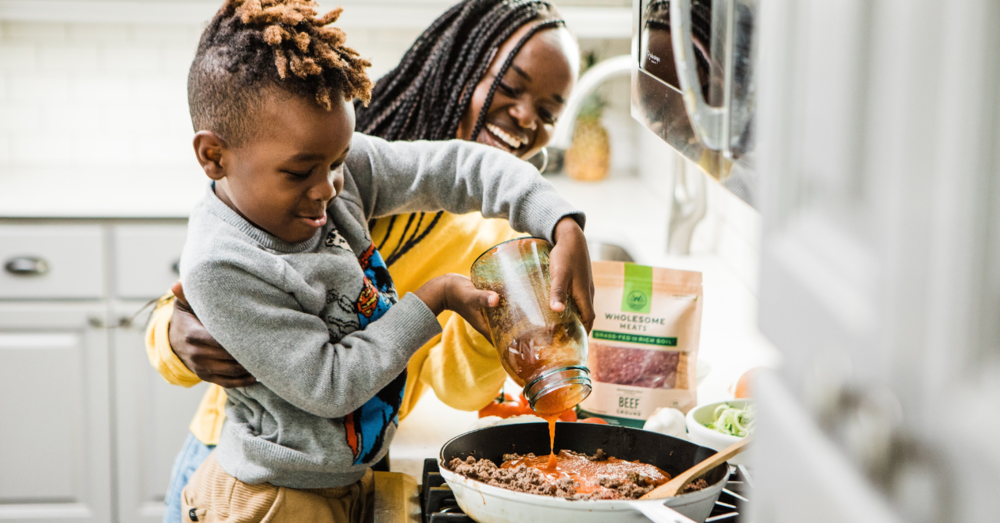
(214, 496)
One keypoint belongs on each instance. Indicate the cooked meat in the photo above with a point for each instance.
(517, 475)
(520, 479)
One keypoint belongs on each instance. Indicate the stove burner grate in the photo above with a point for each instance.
(438, 505)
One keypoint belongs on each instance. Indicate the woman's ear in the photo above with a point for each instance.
(209, 147)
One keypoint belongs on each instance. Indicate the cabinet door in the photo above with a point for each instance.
(152, 419)
(55, 437)
(147, 259)
(879, 283)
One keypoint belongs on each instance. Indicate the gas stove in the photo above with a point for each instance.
(437, 504)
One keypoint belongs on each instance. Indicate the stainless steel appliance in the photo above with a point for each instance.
(693, 83)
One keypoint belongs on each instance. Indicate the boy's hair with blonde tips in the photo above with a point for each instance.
(256, 47)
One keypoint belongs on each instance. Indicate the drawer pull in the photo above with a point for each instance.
(26, 266)
(176, 267)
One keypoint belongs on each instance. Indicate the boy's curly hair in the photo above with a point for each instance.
(253, 45)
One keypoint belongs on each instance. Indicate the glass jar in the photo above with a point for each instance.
(544, 351)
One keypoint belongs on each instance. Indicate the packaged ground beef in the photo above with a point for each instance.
(644, 345)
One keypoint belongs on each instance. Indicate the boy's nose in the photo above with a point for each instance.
(324, 190)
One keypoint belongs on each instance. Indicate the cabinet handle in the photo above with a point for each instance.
(26, 266)
(176, 267)
(96, 322)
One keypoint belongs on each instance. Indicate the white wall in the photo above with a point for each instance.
(113, 96)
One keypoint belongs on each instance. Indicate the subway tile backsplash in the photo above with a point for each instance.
(114, 96)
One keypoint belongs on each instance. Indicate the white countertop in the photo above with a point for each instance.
(101, 193)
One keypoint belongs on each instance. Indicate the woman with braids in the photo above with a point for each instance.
(500, 66)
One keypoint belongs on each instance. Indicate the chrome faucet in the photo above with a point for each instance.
(688, 203)
(589, 82)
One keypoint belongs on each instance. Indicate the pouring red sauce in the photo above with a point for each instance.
(549, 408)
(551, 418)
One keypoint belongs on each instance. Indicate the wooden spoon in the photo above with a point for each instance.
(672, 487)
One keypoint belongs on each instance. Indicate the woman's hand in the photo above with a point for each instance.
(569, 266)
(455, 292)
(199, 351)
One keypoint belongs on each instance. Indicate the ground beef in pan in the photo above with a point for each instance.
(532, 481)
(521, 479)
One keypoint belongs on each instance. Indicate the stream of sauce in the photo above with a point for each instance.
(549, 408)
(551, 418)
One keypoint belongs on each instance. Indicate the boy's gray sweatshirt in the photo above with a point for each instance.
(301, 317)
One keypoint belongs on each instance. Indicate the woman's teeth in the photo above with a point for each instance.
(511, 141)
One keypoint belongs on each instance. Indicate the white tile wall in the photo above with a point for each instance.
(77, 95)
(114, 96)
(731, 231)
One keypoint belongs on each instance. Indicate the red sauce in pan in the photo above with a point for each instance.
(585, 472)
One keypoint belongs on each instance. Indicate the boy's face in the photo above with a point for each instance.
(282, 179)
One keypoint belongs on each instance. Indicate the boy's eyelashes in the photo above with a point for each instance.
(306, 174)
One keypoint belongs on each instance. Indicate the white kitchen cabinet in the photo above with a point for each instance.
(88, 429)
(55, 442)
(152, 421)
(58, 261)
(146, 259)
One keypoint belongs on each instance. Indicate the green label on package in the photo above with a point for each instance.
(634, 338)
(638, 288)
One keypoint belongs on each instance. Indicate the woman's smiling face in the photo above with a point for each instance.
(530, 96)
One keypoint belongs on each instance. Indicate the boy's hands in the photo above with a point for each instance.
(569, 266)
(455, 292)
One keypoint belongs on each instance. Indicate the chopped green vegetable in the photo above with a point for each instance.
(734, 421)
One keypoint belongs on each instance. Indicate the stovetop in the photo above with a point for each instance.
(437, 504)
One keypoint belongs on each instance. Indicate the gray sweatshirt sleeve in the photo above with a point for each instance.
(290, 352)
(456, 176)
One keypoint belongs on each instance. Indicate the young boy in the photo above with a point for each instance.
(280, 267)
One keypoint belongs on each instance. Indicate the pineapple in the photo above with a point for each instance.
(589, 156)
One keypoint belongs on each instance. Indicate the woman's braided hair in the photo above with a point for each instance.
(428, 93)
(251, 45)
(426, 96)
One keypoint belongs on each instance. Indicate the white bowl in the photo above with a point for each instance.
(698, 432)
